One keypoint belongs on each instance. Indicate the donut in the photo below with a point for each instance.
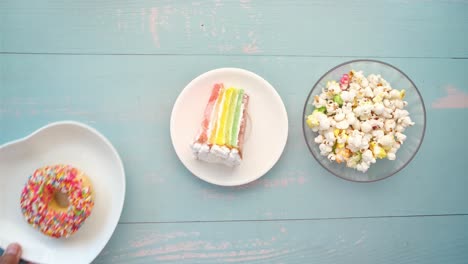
(57, 200)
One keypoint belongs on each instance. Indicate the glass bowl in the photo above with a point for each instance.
(383, 168)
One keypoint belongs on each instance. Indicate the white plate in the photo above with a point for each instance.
(266, 131)
(71, 143)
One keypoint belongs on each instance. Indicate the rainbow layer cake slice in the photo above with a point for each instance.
(221, 134)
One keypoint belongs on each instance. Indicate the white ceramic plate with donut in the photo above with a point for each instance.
(61, 143)
(266, 130)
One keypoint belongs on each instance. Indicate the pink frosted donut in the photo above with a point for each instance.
(57, 200)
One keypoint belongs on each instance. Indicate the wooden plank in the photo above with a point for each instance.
(379, 240)
(129, 99)
(398, 240)
(387, 28)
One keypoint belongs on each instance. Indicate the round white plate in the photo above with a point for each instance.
(70, 143)
(266, 131)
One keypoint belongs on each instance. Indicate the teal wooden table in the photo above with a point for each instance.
(120, 65)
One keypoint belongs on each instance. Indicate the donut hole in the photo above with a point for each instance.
(60, 201)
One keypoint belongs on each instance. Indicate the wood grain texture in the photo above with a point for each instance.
(398, 240)
(387, 28)
(129, 99)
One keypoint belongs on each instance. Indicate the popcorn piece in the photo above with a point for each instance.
(342, 124)
(378, 108)
(312, 121)
(402, 94)
(366, 127)
(351, 118)
(399, 128)
(325, 149)
(390, 125)
(363, 167)
(368, 157)
(386, 141)
(353, 161)
(378, 134)
(330, 136)
(339, 116)
(334, 87)
(355, 141)
(394, 94)
(400, 137)
(318, 139)
(348, 96)
(324, 122)
(379, 152)
(342, 154)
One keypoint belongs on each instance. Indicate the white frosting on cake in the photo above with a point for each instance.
(239, 122)
(216, 154)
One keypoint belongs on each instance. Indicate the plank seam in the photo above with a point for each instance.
(223, 55)
(294, 219)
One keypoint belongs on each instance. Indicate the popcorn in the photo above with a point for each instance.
(339, 116)
(331, 106)
(378, 133)
(325, 149)
(400, 113)
(355, 141)
(364, 82)
(330, 136)
(359, 120)
(324, 122)
(334, 87)
(406, 121)
(354, 87)
(376, 123)
(386, 141)
(400, 137)
(362, 167)
(351, 118)
(379, 152)
(342, 124)
(378, 108)
(399, 104)
(357, 125)
(364, 110)
(353, 160)
(399, 128)
(368, 157)
(373, 79)
(394, 94)
(318, 139)
(348, 96)
(368, 91)
(389, 125)
(319, 101)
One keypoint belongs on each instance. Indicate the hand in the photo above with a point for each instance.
(11, 255)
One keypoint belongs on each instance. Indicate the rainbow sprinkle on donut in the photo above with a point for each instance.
(38, 196)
